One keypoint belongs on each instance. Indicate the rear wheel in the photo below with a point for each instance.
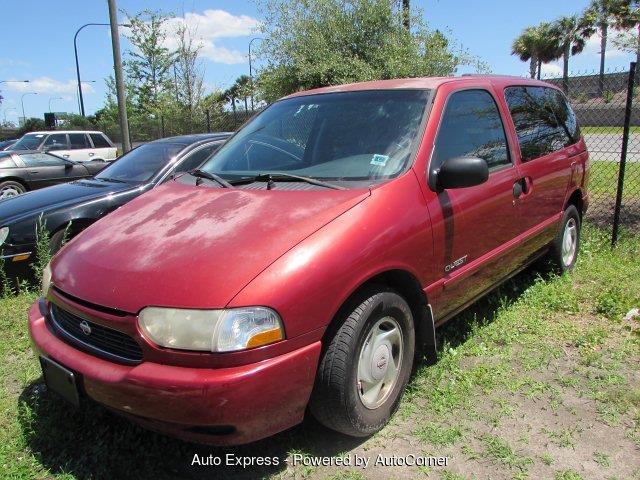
(10, 189)
(366, 365)
(564, 248)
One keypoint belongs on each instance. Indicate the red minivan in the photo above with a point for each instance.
(305, 264)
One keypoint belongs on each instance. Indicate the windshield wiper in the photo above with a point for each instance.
(107, 179)
(282, 176)
(200, 174)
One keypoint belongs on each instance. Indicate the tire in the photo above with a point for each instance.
(11, 188)
(342, 399)
(58, 239)
(565, 247)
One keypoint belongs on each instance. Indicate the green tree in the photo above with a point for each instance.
(536, 45)
(310, 44)
(626, 16)
(30, 125)
(571, 34)
(149, 62)
(600, 14)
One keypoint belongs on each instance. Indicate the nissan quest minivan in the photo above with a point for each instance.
(302, 267)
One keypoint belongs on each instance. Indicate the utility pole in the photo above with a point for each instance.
(117, 66)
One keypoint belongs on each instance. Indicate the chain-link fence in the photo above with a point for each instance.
(602, 104)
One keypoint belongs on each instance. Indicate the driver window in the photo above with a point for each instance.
(40, 160)
(471, 126)
(56, 141)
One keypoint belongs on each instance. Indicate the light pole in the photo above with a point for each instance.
(250, 69)
(78, 94)
(24, 118)
(53, 98)
(75, 50)
(14, 81)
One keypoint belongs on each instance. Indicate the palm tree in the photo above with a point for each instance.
(599, 14)
(571, 33)
(537, 46)
(626, 15)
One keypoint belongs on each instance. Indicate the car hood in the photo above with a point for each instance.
(191, 246)
(55, 197)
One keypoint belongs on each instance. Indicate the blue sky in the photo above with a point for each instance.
(37, 42)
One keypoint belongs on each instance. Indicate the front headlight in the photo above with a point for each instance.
(4, 233)
(211, 330)
(46, 279)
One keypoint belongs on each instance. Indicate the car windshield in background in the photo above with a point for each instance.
(142, 163)
(30, 141)
(363, 135)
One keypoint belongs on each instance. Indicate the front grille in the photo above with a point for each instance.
(102, 341)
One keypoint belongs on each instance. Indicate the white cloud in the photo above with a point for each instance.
(551, 70)
(592, 46)
(48, 85)
(208, 27)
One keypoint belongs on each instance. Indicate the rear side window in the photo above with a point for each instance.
(99, 141)
(471, 126)
(543, 120)
(78, 141)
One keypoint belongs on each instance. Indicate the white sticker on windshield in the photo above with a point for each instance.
(380, 160)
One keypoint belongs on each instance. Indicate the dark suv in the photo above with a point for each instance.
(303, 265)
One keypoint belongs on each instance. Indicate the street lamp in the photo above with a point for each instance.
(24, 118)
(53, 98)
(75, 49)
(78, 93)
(14, 81)
(250, 70)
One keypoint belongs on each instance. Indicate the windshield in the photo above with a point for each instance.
(142, 163)
(30, 141)
(364, 135)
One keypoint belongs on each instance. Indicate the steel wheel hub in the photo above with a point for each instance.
(569, 242)
(379, 362)
(10, 191)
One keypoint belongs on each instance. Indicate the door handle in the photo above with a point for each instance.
(65, 156)
(518, 188)
(91, 154)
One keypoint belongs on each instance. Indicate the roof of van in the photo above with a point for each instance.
(426, 83)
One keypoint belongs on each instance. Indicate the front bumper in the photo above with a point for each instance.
(224, 406)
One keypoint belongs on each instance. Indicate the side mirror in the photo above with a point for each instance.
(68, 165)
(461, 172)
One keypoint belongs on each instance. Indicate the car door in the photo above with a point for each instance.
(81, 149)
(548, 137)
(44, 169)
(102, 147)
(474, 228)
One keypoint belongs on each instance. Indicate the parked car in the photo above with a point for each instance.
(79, 146)
(310, 257)
(7, 143)
(21, 171)
(68, 209)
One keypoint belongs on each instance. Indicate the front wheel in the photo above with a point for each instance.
(564, 248)
(365, 365)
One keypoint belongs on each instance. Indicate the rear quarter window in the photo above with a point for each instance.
(543, 120)
(99, 141)
(7, 162)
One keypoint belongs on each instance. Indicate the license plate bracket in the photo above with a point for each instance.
(60, 380)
